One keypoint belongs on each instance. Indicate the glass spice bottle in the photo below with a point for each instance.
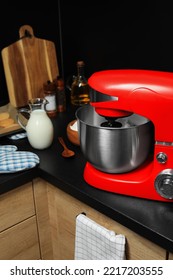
(80, 87)
(60, 94)
(50, 95)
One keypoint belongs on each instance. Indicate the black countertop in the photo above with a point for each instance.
(151, 219)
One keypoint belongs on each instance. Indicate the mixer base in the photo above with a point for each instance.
(137, 183)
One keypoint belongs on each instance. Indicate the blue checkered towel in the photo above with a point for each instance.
(11, 162)
(7, 148)
(18, 136)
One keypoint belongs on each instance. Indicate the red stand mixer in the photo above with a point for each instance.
(119, 94)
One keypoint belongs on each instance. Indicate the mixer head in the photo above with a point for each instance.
(105, 105)
(120, 93)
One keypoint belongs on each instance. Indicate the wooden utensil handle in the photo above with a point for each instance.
(61, 140)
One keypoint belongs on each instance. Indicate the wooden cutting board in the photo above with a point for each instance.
(11, 128)
(28, 63)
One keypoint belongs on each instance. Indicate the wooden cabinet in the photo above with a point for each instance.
(37, 221)
(18, 227)
(43, 219)
(59, 226)
(170, 256)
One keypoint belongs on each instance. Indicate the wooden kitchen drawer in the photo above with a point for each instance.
(20, 242)
(16, 206)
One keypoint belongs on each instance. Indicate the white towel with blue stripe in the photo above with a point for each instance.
(12, 160)
(95, 242)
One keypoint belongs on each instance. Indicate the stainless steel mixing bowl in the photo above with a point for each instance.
(114, 150)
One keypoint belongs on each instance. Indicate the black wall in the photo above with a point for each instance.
(45, 24)
(117, 34)
(109, 35)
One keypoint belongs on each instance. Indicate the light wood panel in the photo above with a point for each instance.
(20, 242)
(16, 206)
(170, 256)
(63, 210)
(43, 221)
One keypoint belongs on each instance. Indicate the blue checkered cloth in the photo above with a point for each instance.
(7, 149)
(15, 161)
(18, 136)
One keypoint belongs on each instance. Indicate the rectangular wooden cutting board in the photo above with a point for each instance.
(28, 63)
(11, 128)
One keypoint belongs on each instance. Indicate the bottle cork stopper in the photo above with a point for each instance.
(80, 63)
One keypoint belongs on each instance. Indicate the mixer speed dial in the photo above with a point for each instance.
(164, 183)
